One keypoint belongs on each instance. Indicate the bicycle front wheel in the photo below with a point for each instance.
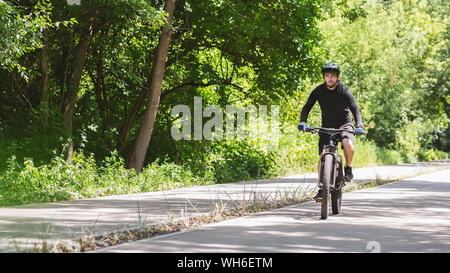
(326, 182)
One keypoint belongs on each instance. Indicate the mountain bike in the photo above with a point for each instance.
(331, 176)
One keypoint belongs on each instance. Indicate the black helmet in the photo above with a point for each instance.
(331, 68)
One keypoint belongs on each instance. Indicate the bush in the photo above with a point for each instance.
(297, 153)
(237, 161)
(365, 153)
(431, 154)
(389, 157)
(60, 181)
(28, 138)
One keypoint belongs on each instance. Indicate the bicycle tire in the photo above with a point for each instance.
(326, 182)
(336, 201)
(336, 194)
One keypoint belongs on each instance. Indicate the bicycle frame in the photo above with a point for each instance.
(331, 167)
(330, 149)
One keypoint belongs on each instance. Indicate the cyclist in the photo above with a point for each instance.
(336, 102)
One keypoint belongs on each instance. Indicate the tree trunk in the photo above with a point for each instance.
(73, 84)
(100, 93)
(139, 152)
(131, 119)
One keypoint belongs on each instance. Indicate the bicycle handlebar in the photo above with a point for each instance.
(328, 130)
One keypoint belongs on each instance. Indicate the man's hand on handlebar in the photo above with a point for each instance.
(305, 128)
(359, 131)
(302, 126)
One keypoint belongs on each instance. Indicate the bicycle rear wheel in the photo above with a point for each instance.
(336, 193)
(326, 182)
(336, 200)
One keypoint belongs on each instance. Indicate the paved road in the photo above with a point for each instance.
(411, 215)
(27, 225)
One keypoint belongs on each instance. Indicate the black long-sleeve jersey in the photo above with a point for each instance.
(335, 105)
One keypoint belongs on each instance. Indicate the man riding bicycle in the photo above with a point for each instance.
(336, 102)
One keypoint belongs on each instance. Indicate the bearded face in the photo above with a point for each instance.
(331, 80)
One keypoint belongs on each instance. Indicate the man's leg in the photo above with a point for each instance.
(349, 151)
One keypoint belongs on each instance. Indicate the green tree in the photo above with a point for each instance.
(21, 33)
(387, 56)
(228, 51)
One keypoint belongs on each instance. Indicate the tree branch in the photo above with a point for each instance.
(194, 84)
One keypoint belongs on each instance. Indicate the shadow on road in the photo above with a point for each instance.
(396, 217)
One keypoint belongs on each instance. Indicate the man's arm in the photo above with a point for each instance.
(355, 109)
(309, 104)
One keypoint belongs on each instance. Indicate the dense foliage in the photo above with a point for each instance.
(74, 82)
(393, 59)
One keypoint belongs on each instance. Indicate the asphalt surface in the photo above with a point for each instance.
(22, 227)
(412, 215)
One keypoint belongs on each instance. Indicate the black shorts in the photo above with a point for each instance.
(324, 139)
